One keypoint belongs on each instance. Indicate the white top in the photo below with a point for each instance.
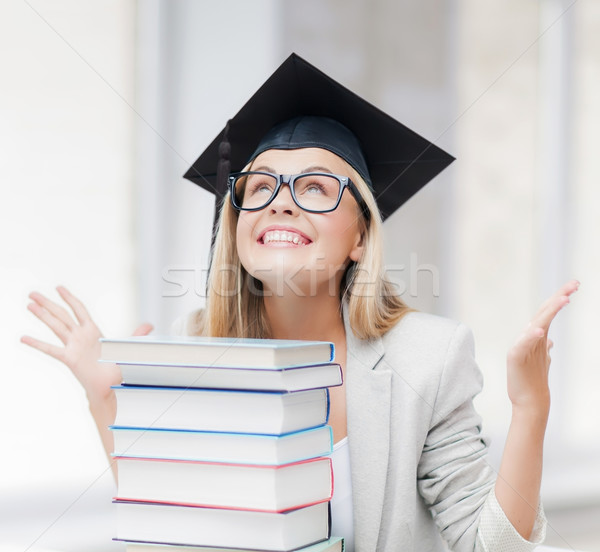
(342, 524)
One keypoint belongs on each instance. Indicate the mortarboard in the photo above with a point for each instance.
(286, 113)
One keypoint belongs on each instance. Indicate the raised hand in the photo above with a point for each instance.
(519, 478)
(528, 361)
(80, 353)
(79, 335)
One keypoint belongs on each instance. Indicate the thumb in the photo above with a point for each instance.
(144, 329)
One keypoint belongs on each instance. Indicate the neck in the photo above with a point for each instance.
(313, 318)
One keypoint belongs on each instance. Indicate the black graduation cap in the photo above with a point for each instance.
(395, 161)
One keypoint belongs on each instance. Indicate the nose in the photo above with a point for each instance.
(283, 201)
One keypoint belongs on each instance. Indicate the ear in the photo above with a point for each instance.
(357, 250)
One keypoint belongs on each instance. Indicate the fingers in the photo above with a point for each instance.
(58, 327)
(570, 287)
(55, 310)
(144, 329)
(553, 305)
(536, 332)
(565, 290)
(76, 305)
(544, 318)
(51, 350)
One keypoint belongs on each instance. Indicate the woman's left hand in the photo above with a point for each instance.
(528, 361)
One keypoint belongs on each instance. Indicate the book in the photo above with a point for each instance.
(269, 413)
(218, 527)
(293, 378)
(334, 544)
(215, 351)
(219, 485)
(240, 448)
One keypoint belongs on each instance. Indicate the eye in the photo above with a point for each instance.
(313, 187)
(317, 185)
(260, 184)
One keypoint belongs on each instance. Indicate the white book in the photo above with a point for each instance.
(215, 351)
(334, 544)
(218, 527)
(219, 485)
(241, 448)
(266, 413)
(264, 378)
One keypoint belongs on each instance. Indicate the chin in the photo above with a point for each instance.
(296, 280)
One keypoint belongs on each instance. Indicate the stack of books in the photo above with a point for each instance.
(223, 444)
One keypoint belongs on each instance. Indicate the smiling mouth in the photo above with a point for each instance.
(284, 237)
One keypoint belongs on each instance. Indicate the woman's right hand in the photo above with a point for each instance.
(80, 336)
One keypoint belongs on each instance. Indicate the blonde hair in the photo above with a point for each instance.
(235, 309)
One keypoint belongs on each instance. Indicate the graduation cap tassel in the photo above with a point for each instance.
(223, 170)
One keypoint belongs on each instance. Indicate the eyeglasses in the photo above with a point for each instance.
(313, 192)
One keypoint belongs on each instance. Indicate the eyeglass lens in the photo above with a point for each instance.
(313, 192)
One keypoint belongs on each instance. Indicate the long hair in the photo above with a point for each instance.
(235, 307)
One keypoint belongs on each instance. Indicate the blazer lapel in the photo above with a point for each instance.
(368, 418)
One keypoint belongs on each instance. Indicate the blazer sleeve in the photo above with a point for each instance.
(453, 475)
(496, 533)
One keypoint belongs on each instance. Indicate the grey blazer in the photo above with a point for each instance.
(419, 472)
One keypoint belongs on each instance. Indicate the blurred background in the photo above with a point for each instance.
(105, 104)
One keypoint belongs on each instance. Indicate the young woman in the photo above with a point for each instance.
(298, 255)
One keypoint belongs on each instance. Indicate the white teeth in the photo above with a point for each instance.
(283, 236)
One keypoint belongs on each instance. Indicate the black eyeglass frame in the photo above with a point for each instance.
(289, 179)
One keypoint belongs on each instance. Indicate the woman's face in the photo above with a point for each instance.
(292, 250)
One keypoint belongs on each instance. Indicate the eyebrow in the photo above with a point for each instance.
(316, 168)
(264, 168)
(312, 168)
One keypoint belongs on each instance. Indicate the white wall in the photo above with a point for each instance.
(66, 137)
